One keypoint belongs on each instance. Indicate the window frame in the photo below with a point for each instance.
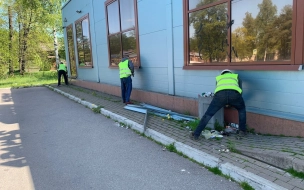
(76, 22)
(135, 28)
(71, 48)
(297, 54)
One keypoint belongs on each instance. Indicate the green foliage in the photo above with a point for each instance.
(192, 124)
(295, 173)
(171, 147)
(231, 147)
(218, 126)
(33, 37)
(97, 109)
(246, 186)
(215, 170)
(3, 71)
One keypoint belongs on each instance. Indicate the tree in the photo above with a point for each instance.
(283, 31)
(210, 27)
(10, 46)
(264, 25)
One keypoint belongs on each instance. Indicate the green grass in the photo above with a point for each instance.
(215, 170)
(295, 173)
(218, 126)
(171, 148)
(29, 79)
(97, 109)
(191, 124)
(246, 186)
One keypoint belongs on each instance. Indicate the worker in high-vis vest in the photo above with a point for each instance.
(126, 70)
(62, 70)
(228, 91)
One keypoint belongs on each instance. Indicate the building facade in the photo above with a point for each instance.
(180, 46)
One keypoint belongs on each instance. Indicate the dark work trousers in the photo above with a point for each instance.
(220, 99)
(126, 88)
(62, 72)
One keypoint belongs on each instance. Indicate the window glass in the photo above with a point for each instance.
(124, 40)
(79, 43)
(83, 42)
(208, 35)
(129, 45)
(127, 14)
(261, 31)
(115, 49)
(113, 17)
(86, 41)
(73, 69)
(198, 3)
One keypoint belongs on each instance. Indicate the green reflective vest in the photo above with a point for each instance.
(124, 70)
(62, 67)
(228, 81)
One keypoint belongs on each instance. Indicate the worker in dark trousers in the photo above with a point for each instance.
(228, 91)
(126, 70)
(62, 70)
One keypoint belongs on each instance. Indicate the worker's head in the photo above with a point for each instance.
(225, 71)
(61, 62)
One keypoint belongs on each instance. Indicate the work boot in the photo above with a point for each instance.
(193, 137)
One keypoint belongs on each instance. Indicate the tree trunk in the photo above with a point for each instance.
(265, 54)
(10, 46)
(20, 39)
(26, 30)
(56, 47)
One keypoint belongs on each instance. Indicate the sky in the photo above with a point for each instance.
(240, 7)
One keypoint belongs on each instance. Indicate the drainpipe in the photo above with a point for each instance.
(95, 52)
(170, 54)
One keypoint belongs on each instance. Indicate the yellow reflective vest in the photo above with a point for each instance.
(124, 70)
(62, 67)
(228, 81)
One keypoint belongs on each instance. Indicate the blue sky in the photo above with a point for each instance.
(240, 7)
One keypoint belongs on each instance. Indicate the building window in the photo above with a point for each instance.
(70, 38)
(84, 42)
(239, 32)
(122, 31)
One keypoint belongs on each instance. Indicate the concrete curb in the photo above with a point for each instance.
(238, 174)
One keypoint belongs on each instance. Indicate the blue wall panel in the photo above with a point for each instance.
(153, 51)
(177, 7)
(151, 19)
(99, 10)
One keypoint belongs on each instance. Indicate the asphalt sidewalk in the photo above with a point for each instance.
(259, 160)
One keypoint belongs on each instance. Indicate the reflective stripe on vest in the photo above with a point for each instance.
(62, 67)
(228, 81)
(124, 70)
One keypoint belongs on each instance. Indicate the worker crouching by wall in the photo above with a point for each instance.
(62, 70)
